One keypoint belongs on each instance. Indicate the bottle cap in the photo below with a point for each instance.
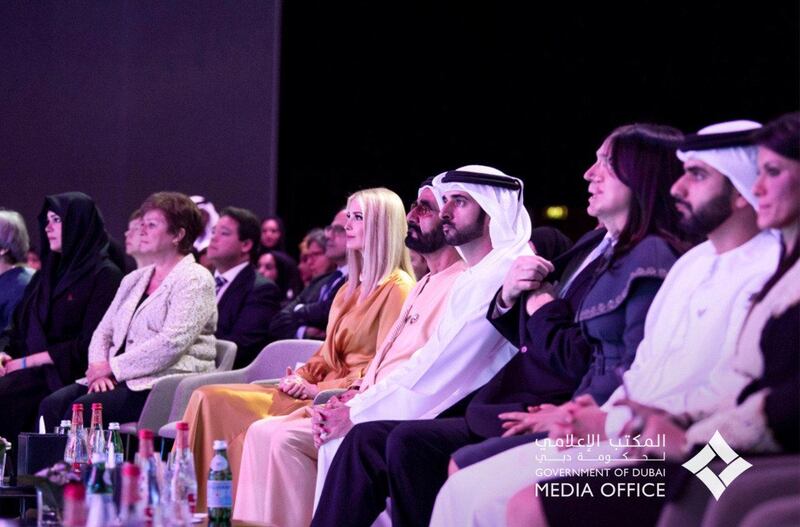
(65, 423)
(74, 491)
(182, 425)
(77, 406)
(144, 433)
(129, 469)
(219, 444)
(113, 426)
(97, 406)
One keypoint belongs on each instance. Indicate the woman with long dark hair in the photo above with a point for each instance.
(53, 324)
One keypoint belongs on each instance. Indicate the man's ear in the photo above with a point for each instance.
(738, 201)
(247, 246)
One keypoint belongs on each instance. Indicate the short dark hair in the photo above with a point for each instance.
(180, 212)
(248, 227)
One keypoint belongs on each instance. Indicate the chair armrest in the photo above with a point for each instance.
(190, 384)
(325, 395)
(159, 403)
(267, 382)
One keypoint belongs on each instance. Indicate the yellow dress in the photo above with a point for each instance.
(225, 411)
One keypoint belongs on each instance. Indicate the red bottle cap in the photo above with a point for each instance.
(77, 406)
(182, 425)
(74, 491)
(129, 469)
(97, 406)
(146, 434)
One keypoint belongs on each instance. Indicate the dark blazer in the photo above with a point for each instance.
(12, 287)
(548, 369)
(313, 310)
(245, 311)
(74, 314)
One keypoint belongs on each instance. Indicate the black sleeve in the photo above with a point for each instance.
(552, 332)
(71, 356)
(507, 324)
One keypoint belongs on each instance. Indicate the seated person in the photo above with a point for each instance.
(60, 309)
(246, 301)
(306, 317)
(161, 321)
(14, 276)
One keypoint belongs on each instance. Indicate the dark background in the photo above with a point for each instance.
(120, 99)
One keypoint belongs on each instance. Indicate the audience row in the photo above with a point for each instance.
(676, 318)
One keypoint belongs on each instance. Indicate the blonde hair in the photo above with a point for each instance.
(384, 250)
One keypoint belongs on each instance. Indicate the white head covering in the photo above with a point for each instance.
(738, 163)
(509, 222)
(428, 183)
(204, 239)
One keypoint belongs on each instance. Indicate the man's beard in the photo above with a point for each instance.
(708, 217)
(467, 234)
(424, 243)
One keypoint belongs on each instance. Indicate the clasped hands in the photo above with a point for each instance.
(527, 274)
(6, 364)
(582, 417)
(100, 377)
(332, 419)
(296, 386)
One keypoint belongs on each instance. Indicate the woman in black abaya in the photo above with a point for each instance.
(62, 305)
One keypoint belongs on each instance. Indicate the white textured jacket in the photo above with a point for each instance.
(171, 332)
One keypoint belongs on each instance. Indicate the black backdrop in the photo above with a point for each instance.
(389, 93)
(122, 98)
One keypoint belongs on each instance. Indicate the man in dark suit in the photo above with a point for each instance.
(307, 316)
(246, 301)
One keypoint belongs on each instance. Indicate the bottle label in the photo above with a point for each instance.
(219, 463)
(220, 494)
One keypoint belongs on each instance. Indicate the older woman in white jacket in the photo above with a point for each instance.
(161, 321)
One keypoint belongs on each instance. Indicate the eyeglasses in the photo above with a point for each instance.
(421, 209)
(334, 229)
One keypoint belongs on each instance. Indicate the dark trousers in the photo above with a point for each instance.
(121, 404)
(404, 460)
(20, 395)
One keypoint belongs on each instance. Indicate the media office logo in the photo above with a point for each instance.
(717, 447)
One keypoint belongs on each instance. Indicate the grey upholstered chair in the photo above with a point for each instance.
(267, 368)
(156, 409)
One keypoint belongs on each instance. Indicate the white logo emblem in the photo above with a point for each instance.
(698, 465)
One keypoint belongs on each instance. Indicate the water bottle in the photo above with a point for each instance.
(131, 506)
(220, 487)
(183, 479)
(150, 477)
(100, 493)
(64, 427)
(77, 451)
(97, 438)
(74, 505)
(114, 449)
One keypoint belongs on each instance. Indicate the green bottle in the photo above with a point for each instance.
(114, 447)
(220, 487)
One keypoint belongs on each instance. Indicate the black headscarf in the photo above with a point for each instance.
(84, 243)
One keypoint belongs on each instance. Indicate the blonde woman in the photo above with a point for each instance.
(363, 311)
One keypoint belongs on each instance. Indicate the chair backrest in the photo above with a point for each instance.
(226, 355)
(272, 361)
